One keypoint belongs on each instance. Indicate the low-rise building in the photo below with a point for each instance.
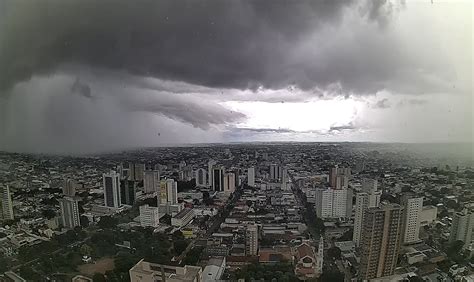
(150, 272)
(182, 218)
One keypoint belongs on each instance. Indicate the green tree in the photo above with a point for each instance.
(179, 246)
(334, 253)
(98, 277)
(86, 250)
(107, 222)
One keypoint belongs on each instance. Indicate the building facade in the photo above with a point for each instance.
(251, 176)
(363, 202)
(151, 272)
(251, 240)
(149, 216)
(6, 204)
(200, 176)
(380, 242)
(70, 216)
(151, 181)
(461, 229)
(127, 192)
(111, 184)
(333, 203)
(229, 182)
(412, 210)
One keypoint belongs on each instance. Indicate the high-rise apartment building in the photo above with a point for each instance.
(461, 229)
(127, 192)
(380, 242)
(251, 176)
(6, 204)
(339, 177)
(218, 179)
(168, 192)
(251, 240)
(69, 187)
(139, 171)
(151, 181)
(70, 217)
(200, 176)
(149, 216)
(210, 172)
(333, 203)
(111, 184)
(276, 172)
(364, 201)
(412, 209)
(229, 182)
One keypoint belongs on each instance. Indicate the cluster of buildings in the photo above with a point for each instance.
(390, 216)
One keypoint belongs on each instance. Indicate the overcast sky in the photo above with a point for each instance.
(91, 76)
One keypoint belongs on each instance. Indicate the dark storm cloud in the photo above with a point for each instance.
(81, 88)
(236, 44)
(265, 130)
(199, 114)
(341, 128)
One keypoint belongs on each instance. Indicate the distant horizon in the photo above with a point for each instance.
(269, 143)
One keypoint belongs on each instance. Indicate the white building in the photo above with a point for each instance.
(251, 240)
(214, 269)
(151, 181)
(333, 203)
(149, 216)
(182, 218)
(412, 209)
(251, 176)
(200, 176)
(210, 175)
(229, 182)
(6, 204)
(111, 184)
(70, 217)
(168, 192)
(363, 202)
(151, 272)
(463, 223)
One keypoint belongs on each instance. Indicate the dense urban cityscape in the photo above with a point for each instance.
(263, 211)
(238, 140)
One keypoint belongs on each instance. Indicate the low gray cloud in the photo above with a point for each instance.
(337, 128)
(81, 88)
(381, 104)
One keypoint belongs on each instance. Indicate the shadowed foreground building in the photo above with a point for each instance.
(150, 272)
(380, 242)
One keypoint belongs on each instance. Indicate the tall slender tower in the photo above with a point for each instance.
(381, 239)
(251, 176)
(111, 182)
(218, 179)
(412, 209)
(6, 204)
(251, 240)
(151, 181)
(70, 212)
(463, 223)
(363, 202)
